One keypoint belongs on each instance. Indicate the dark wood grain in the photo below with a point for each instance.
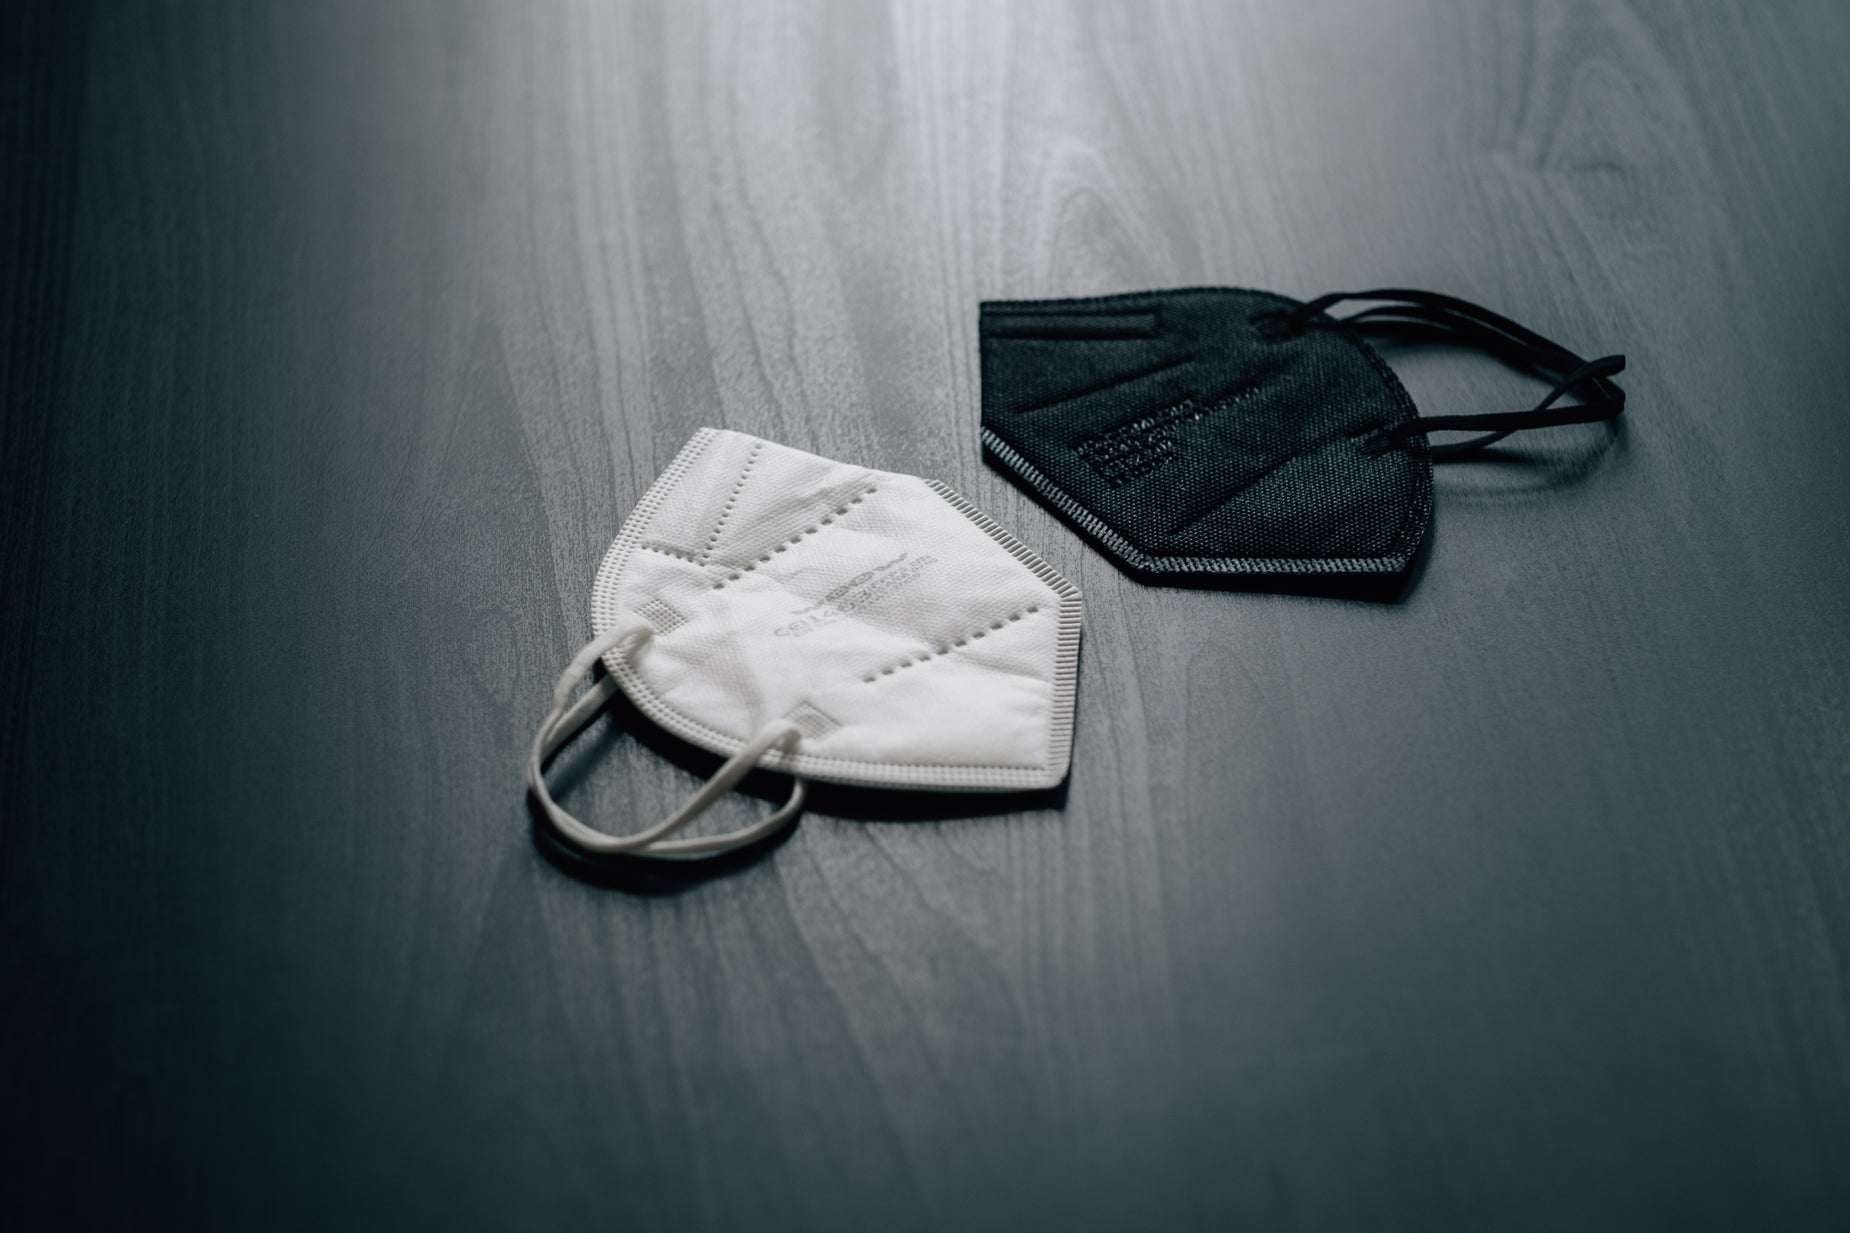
(339, 340)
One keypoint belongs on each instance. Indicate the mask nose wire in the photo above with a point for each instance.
(562, 723)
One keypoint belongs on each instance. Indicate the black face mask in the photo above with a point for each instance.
(1219, 431)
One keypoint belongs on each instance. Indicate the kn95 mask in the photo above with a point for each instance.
(1220, 431)
(826, 620)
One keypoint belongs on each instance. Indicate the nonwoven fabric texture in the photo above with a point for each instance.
(1184, 435)
(913, 641)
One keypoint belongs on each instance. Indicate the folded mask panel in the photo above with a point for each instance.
(1227, 431)
(831, 621)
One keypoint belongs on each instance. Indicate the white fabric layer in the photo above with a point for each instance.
(564, 721)
(910, 640)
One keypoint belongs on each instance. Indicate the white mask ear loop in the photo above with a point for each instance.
(562, 724)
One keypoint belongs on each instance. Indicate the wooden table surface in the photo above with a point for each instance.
(340, 337)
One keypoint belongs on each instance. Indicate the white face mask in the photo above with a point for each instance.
(826, 620)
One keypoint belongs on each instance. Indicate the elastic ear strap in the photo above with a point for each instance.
(562, 724)
(1429, 316)
(1544, 414)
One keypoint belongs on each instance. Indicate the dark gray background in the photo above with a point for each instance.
(340, 337)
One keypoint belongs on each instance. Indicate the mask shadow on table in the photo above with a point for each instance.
(1530, 470)
(1519, 468)
(621, 722)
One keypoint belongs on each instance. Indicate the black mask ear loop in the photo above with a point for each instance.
(1427, 316)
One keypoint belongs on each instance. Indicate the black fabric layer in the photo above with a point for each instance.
(1186, 433)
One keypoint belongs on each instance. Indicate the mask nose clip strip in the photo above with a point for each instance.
(564, 721)
(1428, 317)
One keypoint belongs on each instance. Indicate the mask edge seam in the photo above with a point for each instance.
(1089, 523)
(1066, 644)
